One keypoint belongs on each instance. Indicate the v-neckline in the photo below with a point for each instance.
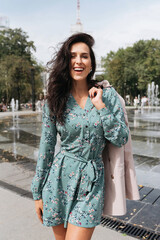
(78, 104)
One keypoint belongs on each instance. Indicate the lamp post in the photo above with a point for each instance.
(33, 88)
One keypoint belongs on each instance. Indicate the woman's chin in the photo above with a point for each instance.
(79, 79)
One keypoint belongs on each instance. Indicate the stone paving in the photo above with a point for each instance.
(19, 151)
(18, 221)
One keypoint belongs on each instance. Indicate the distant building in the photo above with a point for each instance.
(4, 22)
(99, 69)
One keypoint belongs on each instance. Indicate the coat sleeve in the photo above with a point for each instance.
(46, 153)
(112, 117)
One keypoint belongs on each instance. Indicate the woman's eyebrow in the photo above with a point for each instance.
(81, 53)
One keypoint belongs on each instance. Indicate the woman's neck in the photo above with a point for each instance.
(79, 89)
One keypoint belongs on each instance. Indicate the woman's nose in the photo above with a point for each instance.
(78, 59)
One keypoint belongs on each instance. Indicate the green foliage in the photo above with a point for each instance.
(16, 62)
(99, 78)
(15, 42)
(130, 70)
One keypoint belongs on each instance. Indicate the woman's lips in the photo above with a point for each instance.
(78, 70)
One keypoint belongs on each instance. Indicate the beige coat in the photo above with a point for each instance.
(120, 177)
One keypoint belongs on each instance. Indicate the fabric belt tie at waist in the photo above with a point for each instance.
(89, 174)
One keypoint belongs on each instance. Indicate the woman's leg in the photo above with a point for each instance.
(59, 232)
(78, 233)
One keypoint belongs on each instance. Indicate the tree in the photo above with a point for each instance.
(130, 70)
(114, 64)
(130, 74)
(15, 42)
(147, 65)
(16, 62)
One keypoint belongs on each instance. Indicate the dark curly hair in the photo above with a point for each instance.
(60, 81)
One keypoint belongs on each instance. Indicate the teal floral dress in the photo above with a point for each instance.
(71, 183)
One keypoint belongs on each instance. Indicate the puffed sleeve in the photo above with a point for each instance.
(112, 117)
(46, 153)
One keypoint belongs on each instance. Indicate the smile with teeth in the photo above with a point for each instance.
(78, 69)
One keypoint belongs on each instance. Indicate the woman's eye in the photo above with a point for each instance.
(85, 56)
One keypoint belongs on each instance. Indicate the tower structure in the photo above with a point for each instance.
(78, 12)
(78, 27)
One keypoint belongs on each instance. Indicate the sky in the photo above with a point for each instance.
(113, 23)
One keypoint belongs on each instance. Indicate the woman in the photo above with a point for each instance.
(68, 188)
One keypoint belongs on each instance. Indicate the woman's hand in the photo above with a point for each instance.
(96, 97)
(39, 209)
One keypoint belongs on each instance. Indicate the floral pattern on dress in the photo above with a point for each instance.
(71, 183)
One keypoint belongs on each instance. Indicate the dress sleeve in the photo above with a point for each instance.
(112, 117)
(46, 153)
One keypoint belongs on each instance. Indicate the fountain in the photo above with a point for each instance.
(14, 106)
(15, 127)
(152, 93)
(156, 94)
(149, 94)
(13, 113)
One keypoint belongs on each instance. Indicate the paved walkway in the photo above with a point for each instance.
(18, 221)
(18, 151)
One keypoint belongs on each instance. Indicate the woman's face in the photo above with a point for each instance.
(80, 64)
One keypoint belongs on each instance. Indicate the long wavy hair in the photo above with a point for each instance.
(60, 81)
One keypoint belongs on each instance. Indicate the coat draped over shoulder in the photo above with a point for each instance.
(120, 176)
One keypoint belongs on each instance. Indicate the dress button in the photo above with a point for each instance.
(112, 176)
(86, 126)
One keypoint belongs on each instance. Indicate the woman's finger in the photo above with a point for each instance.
(93, 92)
(96, 92)
(39, 209)
(39, 213)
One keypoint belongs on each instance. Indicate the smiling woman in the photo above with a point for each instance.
(80, 65)
(75, 60)
(68, 188)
